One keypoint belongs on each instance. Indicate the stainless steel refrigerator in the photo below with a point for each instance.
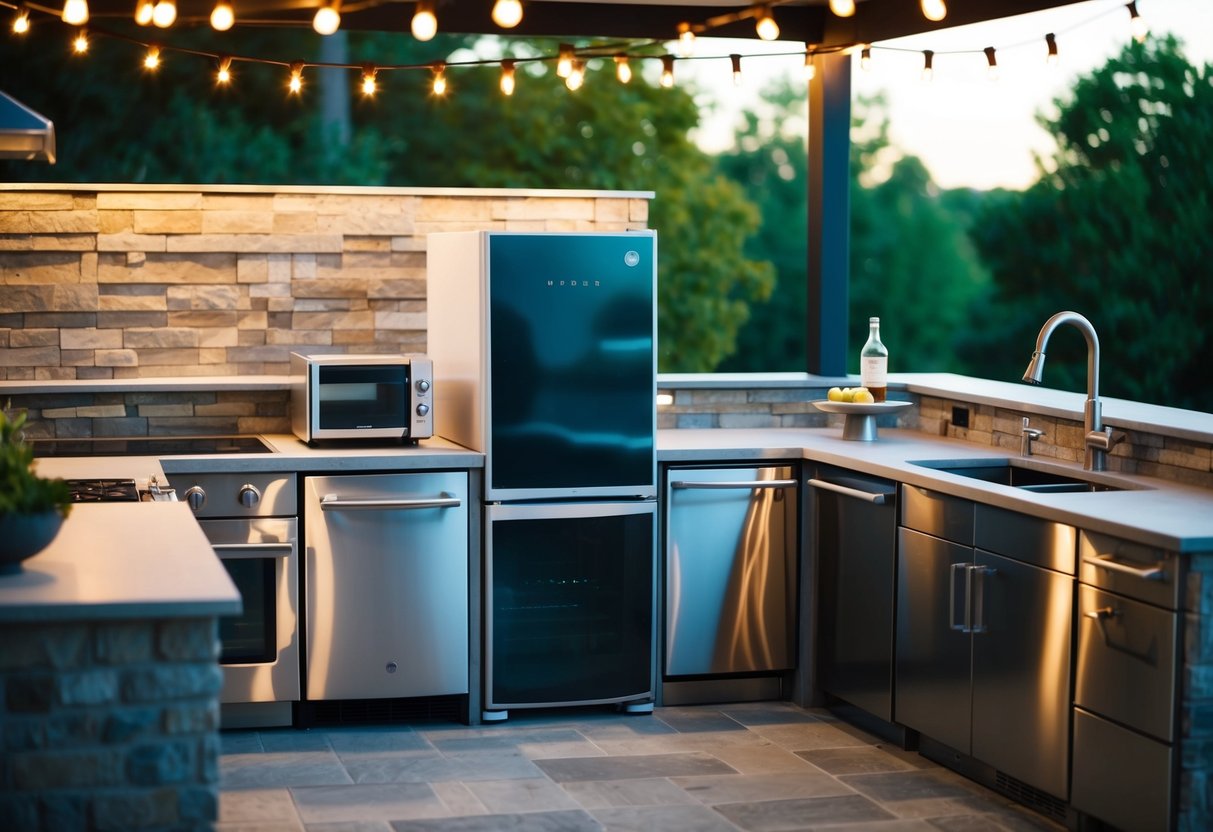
(544, 350)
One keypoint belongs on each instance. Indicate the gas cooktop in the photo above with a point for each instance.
(150, 446)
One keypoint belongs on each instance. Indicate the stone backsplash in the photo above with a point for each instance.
(104, 282)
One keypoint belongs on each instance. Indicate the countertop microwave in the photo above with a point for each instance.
(362, 397)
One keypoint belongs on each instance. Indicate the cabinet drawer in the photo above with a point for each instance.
(1120, 777)
(1028, 539)
(937, 514)
(1126, 661)
(1134, 569)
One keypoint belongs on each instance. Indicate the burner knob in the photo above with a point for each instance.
(249, 496)
(423, 386)
(196, 497)
(423, 409)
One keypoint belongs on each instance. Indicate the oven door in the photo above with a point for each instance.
(259, 649)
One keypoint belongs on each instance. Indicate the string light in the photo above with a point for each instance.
(865, 58)
(223, 16)
(810, 66)
(1137, 23)
(686, 40)
(80, 42)
(438, 85)
(928, 72)
(934, 10)
(164, 13)
(425, 24)
(21, 21)
(295, 84)
(143, 12)
(223, 75)
(507, 77)
(564, 63)
(152, 59)
(1051, 43)
(766, 27)
(75, 12)
(369, 86)
(576, 76)
(327, 19)
(507, 13)
(991, 64)
(842, 8)
(623, 70)
(736, 61)
(667, 71)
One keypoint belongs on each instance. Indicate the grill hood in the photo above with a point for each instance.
(24, 134)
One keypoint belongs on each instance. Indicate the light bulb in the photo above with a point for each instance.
(735, 59)
(934, 10)
(810, 67)
(842, 8)
(295, 85)
(576, 76)
(991, 64)
(1051, 58)
(152, 59)
(507, 13)
(424, 24)
(766, 27)
(564, 64)
(369, 86)
(865, 58)
(507, 77)
(21, 21)
(80, 42)
(327, 19)
(224, 74)
(75, 12)
(438, 86)
(223, 16)
(164, 13)
(623, 70)
(1137, 23)
(686, 40)
(667, 71)
(928, 71)
(143, 12)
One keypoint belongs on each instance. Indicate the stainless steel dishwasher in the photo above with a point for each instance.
(730, 582)
(386, 575)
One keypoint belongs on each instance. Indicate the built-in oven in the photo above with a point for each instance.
(251, 520)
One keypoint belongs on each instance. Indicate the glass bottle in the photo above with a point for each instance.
(874, 362)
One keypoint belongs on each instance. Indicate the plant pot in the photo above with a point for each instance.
(25, 535)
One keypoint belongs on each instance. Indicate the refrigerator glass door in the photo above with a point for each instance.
(572, 366)
(569, 589)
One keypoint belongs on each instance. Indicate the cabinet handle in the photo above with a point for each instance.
(331, 502)
(1100, 614)
(978, 599)
(880, 499)
(234, 551)
(1150, 573)
(964, 628)
(731, 484)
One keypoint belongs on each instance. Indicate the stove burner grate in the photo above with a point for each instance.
(103, 491)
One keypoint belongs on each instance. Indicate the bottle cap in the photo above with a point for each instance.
(873, 320)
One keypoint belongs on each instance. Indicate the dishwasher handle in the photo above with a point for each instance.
(235, 551)
(879, 498)
(721, 484)
(333, 502)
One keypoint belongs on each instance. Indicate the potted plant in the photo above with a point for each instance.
(32, 508)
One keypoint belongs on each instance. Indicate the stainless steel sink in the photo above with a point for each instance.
(1027, 475)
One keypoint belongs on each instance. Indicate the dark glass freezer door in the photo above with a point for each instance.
(572, 379)
(570, 603)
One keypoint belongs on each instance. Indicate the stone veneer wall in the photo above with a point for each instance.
(109, 725)
(106, 282)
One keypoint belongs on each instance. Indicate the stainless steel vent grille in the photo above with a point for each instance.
(1030, 796)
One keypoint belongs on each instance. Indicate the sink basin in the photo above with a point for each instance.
(1025, 475)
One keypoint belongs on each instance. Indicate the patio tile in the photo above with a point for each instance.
(436, 768)
(458, 798)
(810, 735)
(344, 804)
(740, 788)
(662, 819)
(631, 767)
(767, 713)
(258, 806)
(277, 770)
(512, 796)
(570, 821)
(892, 787)
(856, 760)
(687, 720)
(604, 794)
(764, 757)
(803, 813)
(353, 742)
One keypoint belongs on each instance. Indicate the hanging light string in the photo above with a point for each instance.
(621, 54)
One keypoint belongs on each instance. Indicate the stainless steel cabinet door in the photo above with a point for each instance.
(1021, 670)
(387, 585)
(933, 664)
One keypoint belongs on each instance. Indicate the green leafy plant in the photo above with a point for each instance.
(21, 490)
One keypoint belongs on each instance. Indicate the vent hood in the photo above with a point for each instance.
(24, 134)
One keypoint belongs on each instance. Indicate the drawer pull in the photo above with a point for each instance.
(876, 498)
(1150, 573)
(1100, 614)
(734, 484)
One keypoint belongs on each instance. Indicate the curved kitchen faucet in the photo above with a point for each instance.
(1098, 439)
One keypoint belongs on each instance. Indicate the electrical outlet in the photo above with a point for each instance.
(960, 417)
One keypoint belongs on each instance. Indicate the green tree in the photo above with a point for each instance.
(1117, 229)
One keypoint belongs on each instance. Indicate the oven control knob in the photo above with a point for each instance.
(423, 386)
(423, 409)
(249, 496)
(196, 497)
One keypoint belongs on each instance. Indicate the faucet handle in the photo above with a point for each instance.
(1029, 433)
(1105, 439)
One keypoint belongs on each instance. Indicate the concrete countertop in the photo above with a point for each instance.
(1150, 511)
(291, 454)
